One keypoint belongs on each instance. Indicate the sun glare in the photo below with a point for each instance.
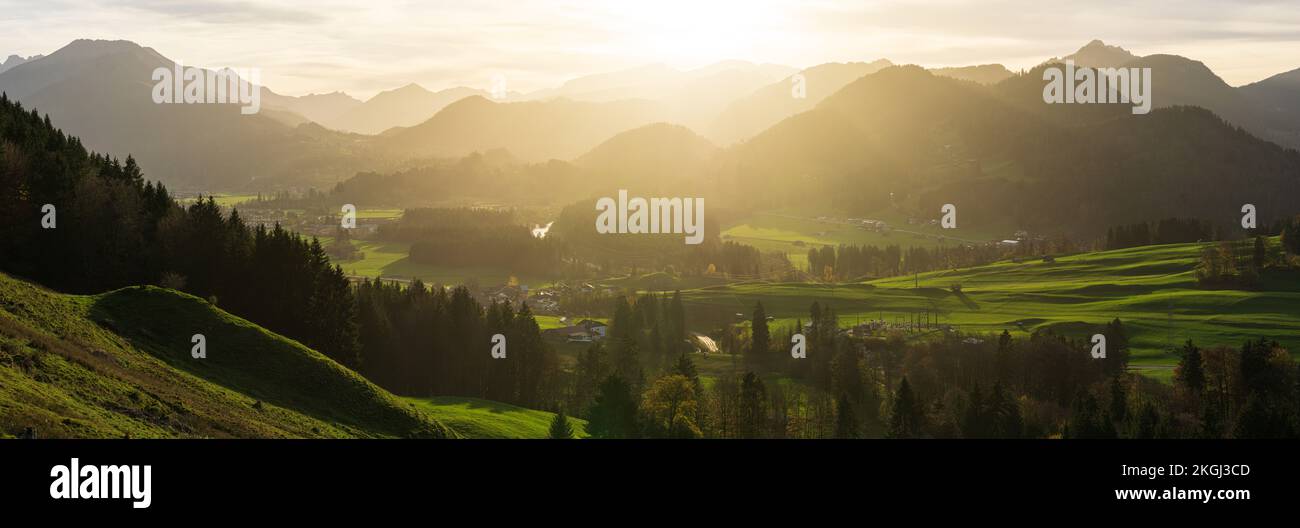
(690, 32)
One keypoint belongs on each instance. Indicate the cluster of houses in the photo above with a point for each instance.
(877, 327)
(547, 300)
(584, 331)
(863, 223)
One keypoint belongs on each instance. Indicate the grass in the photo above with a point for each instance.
(794, 233)
(119, 364)
(1151, 289)
(475, 418)
(223, 200)
(379, 213)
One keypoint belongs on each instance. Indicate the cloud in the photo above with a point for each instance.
(364, 47)
(227, 11)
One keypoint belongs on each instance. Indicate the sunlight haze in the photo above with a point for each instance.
(324, 46)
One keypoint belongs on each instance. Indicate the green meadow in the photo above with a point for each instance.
(1151, 289)
(119, 364)
(475, 418)
(222, 199)
(794, 233)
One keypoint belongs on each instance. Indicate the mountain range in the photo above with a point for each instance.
(98, 90)
(15, 60)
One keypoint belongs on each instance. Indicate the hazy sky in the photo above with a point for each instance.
(365, 46)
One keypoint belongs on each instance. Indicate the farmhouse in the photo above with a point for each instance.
(585, 331)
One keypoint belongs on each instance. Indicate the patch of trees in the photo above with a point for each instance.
(1239, 263)
(1247, 392)
(1289, 230)
(493, 175)
(1167, 231)
(113, 229)
(575, 229)
(431, 341)
(474, 237)
(852, 261)
(953, 386)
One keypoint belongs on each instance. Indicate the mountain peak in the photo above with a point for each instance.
(15, 60)
(92, 45)
(1098, 54)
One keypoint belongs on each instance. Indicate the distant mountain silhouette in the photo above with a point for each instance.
(15, 60)
(320, 108)
(693, 98)
(906, 139)
(1279, 96)
(654, 157)
(658, 81)
(1098, 54)
(1179, 81)
(101, 91)
(983, 74)
(529, 130)
(401, 107)
(770, 104)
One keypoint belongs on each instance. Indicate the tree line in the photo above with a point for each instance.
(849, 261)
(109, 228)
(113, 229)
(1167, 231)
(474, 237)
(427, 341)
(956, 385)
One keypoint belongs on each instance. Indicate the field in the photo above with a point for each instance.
(378, 213)
(794, 233)
(1151, 289)
(223, 200)
(119, 364)
(389, 260)
(475, 418)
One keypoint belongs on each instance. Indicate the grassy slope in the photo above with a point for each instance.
(475, 418)
(1141, 286)
(66, 371)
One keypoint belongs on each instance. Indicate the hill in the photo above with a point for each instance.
(401, 107)
(320, 108)
(119, 363)
(530, 130)
(15, 60)
(475, 418)
(768, 105)
(982, 74)
(655, 156)
(100, 91)
(1180, 81)
(1098, 54)
(1280, 96)
(905, 139)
